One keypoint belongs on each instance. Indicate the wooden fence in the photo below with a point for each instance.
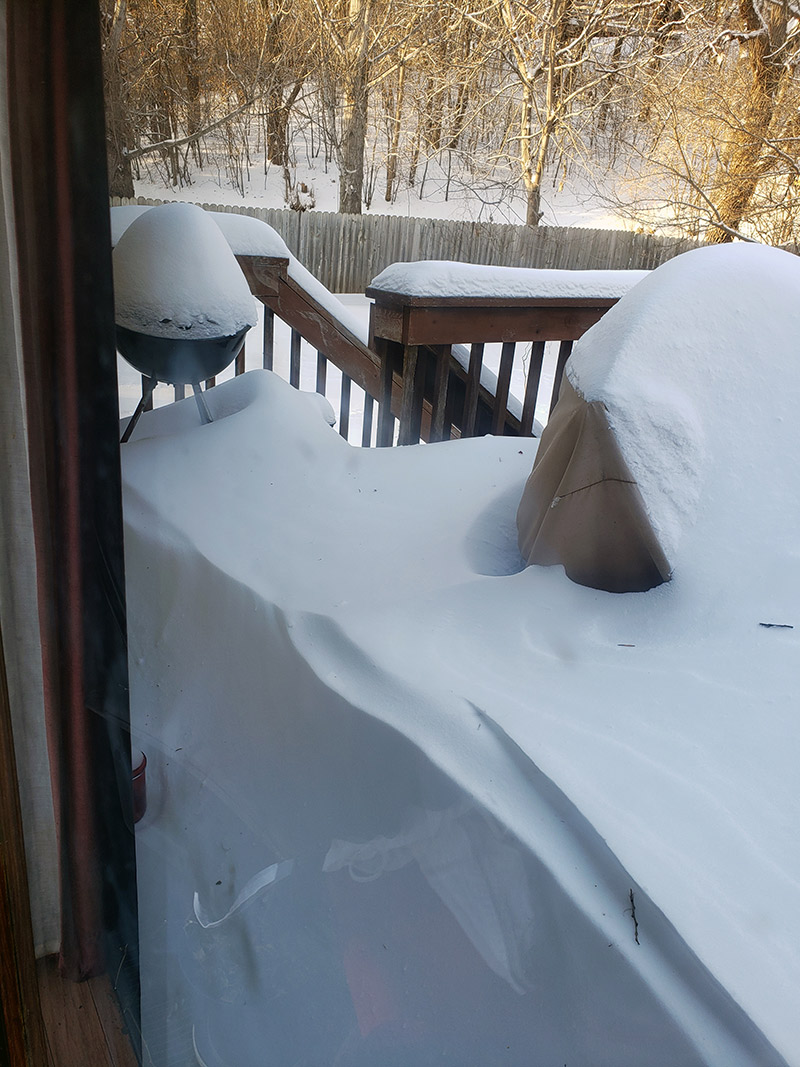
(347, 251)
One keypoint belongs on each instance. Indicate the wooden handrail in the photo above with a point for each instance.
(271, 282)
(410, 368)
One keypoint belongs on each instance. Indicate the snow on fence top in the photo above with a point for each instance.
(441, 278)
(175, 275)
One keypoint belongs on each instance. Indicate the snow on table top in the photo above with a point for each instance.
(668, 718)
(440, 278)
(175, 276)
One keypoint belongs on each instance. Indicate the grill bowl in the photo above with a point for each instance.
(179, 361)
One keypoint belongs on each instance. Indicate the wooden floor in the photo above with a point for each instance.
(82, 1020)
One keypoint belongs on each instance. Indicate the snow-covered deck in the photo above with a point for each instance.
(520, 325)
(497, 817)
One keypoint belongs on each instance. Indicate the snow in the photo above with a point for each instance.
(435, 278)
(685, 425)
(248, 236)
(478, 770)
(174, 273)
(572, 200)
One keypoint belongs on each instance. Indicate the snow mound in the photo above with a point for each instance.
(175, 275)
(372, 684)
(248, 236)
(440, 278)
(693, 365)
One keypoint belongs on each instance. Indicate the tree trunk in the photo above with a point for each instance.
(354, 111)
(120, 175)
(191, 55)
(742, 167)
(394, 143)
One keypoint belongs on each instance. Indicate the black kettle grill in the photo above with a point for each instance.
(177, 361)
(173, 271)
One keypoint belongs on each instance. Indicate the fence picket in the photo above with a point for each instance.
(346, 251)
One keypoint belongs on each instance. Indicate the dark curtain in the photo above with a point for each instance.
(58, 163)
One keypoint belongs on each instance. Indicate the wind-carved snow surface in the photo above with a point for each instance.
(441, 278)
(528, 822)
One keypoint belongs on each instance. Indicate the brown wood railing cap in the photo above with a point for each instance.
(388, 298)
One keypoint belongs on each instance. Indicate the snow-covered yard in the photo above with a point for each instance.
(413, 802)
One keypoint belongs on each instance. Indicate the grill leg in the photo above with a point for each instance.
(202, 406)
(147, 392)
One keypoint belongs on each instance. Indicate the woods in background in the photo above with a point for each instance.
(687, 115)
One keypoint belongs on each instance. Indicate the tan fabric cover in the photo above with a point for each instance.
(582, 508)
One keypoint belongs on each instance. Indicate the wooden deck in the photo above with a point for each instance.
(82, 1021)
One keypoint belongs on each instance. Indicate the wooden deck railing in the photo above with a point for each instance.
(416, 369)
(415, 338)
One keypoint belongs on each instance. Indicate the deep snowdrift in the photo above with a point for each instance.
(503, 818)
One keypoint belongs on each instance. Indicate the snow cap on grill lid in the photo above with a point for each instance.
(175, 276)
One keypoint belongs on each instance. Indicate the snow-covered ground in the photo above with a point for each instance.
(570, 201)
(412, 802)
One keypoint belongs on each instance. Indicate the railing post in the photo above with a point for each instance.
(322, 373)
(564, 350)
(344, 407)
(385, 417)
(472, 390)
(294, 359)
(503, 385)
(366, 428)
(532, 387)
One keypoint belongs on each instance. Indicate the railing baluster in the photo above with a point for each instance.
(564, 350)
(148, 404)
(442, 353)
(503, 383)
(344, 407)
(366, 429)
(411, 407)
(472, 391)
(532, 388)
(179, 391)
(210, 383)
(294, 359)
(268, 347)
(322, 373)
(240, 361)
(385, 417)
